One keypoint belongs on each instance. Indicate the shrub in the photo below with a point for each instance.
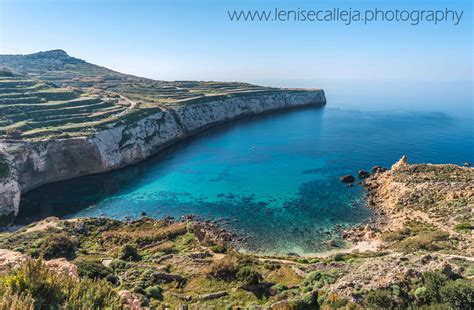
(463, 227)
(34, 282)
(425, 240)
(380, 299)
(224, 269)
(433, 282)
(13, 133)
(154, 292)
(458, 294)
(219, 248)
(91, 294)
(129, 252)
(306, 302)
(58, 245)
(35, 279)
(113, 279)
(280, 287)
(318, 279)
(92, 269)
(13, 301)
(422, 296)
(248, 276)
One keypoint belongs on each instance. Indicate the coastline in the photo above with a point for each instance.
(195, 263)
(33, 164)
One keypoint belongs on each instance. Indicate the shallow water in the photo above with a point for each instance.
(275, 178)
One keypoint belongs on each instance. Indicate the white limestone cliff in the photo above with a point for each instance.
(41, 162)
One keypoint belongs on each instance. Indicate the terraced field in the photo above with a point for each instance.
(53, 95)
(35, 109)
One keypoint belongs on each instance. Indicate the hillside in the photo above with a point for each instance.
(419, 262)
(53, 95)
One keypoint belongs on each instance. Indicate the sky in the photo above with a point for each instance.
(195, 40)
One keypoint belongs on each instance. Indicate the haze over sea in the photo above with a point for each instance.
(274, 179)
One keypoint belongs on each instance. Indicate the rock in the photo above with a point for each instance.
(330, 243)
(11, 259)
(467, 164)
(61, 265)
(347, 178)
(143, 213)
(281, 305)
(378, 169)
(213, 295)
(106, 262)
(362, 174)
(162, 277)
(401, 163)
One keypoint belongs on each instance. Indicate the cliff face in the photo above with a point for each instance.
(9, 191)
(38, 163)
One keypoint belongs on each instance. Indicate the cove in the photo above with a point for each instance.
(272, 179)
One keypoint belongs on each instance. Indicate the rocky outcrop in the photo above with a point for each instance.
(41, 162)
(9, 191)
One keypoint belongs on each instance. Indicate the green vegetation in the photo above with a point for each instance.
(163, 264)
(58, 245)
(34, 286)
(52, 95)
(464, 227)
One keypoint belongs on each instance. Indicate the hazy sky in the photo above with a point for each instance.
(196, 40)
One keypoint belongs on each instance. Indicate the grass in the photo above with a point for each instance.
(53, 95)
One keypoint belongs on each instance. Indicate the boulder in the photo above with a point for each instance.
(213, 295)
(378, 169)
(362, 174)
(347, 178)
(401, 163)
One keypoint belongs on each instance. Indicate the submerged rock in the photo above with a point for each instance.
(378, 169)
(347, 178)
(362, 174)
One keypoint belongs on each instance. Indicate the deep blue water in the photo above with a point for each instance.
(275, 178)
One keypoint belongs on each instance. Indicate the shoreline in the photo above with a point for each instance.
(32, 164)
(192, 262)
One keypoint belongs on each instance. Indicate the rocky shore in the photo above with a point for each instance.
(420, 254)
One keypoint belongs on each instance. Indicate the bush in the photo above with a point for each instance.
(58, 245)
(12, 301)
(248, 276)
(318, 279)
(433, 282)
(92, 294)
(280, 287)
(224, 269)
(306, 302)
(463, 227)
(425, 240)
(113, 279)
(219, 248)
(154, 292)
(422, 296)
(458, 294)
(380, 299)
(92, 269)
(35, 279)
(34, 282)
(13, 133)
(129, 252)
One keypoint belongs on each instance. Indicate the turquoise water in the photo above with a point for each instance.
(274, 179)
